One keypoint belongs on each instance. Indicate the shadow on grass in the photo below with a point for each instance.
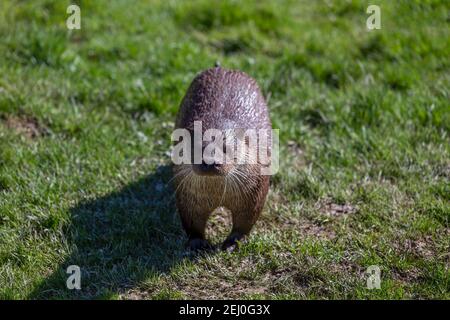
(119, 240)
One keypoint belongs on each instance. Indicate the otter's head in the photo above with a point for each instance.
(217, 177)
(224, 151)
(231, 159)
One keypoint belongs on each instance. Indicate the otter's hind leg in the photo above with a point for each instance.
(243, 222)
(244, 218)
(194, 224)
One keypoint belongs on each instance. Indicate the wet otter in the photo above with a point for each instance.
(221, 99)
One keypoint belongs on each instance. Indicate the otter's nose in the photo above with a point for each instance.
(209, 165)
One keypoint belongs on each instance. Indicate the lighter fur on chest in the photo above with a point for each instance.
(210, 192)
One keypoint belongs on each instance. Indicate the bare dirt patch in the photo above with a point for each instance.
(313, 230)
(26, 126)
(336, 210)
(301, 226)
(420, 247)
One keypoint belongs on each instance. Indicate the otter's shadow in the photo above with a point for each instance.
(120, 239)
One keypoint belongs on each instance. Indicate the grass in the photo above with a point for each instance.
(85, 121)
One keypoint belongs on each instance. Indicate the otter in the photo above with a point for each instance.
(221, 99)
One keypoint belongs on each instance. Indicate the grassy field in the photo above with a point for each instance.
(85, 123)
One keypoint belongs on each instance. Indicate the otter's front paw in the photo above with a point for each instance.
(198, 244)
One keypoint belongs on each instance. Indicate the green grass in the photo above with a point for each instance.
(364, 119)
